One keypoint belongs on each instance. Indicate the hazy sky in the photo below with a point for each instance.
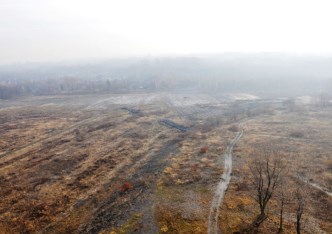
(52, 30)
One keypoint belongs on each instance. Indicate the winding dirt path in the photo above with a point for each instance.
(317, 186)
(213, 227)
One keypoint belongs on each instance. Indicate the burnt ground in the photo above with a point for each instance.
(90, 165)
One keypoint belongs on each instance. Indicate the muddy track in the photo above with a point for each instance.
(222, 186)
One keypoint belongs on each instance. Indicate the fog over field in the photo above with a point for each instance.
(170, 116)
(217, 46)
(260, 74)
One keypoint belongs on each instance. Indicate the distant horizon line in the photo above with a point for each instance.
(156, 56)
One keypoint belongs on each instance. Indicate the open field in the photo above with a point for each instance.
(303, 139)
(151, 163)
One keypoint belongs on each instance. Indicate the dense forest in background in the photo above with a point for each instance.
(263, 74)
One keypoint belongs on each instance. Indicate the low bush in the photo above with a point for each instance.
(126, 186)
(296, 134)
(203, 150)
(233, 128)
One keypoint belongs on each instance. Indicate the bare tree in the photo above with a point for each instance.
(300, 201)
(265, 169)
(282, 199)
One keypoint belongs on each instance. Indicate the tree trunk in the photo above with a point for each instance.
(298, 224)
(281, 217)
(260, 219)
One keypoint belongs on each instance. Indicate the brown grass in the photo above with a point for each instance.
(81, 160)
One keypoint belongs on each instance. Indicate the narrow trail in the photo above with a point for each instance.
(317, 186)
(213, 227)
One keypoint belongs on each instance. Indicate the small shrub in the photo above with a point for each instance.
(126, 186)
(329, 165)
(233, 128)
(296, 134)
(242, 186)
(203, 150)
(195, 167)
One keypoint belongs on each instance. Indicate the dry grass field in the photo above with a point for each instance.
(304, 141)
(151, 164)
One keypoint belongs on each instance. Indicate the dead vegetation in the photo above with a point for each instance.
(233, 128)
(296, 134)
(151, 167)
(266, 169)
(304, 154)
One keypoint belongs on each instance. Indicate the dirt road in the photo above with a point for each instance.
(213, 227)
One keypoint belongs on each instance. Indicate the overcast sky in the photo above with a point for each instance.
(55, 30)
